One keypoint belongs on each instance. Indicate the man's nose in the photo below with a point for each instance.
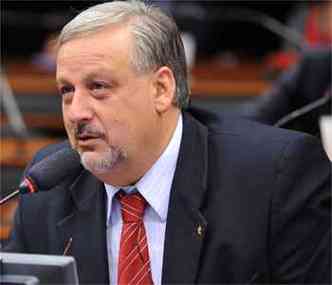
(80, 108)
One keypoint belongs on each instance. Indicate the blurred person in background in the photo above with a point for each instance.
(314, 21)
(303, 84)
(45, 60)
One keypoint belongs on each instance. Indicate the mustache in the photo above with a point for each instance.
(85, 130)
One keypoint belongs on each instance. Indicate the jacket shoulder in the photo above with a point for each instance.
(251, 145)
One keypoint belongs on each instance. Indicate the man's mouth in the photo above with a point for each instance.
(84, 137)
(87, 140)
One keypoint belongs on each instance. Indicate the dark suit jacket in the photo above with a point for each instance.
(302, 85)
(249, 203)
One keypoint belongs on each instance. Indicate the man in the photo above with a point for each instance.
(225, 201)
(306, 83)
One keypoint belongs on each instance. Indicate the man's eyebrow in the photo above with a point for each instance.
(91, 76)
(100, 72)
(61, 80)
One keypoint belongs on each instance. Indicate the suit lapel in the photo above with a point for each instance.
(186, 226)
(86, 227)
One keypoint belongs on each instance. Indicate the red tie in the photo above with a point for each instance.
(134, 263)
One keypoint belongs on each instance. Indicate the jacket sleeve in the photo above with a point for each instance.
(301, 215)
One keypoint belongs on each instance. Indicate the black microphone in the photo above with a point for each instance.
(48, 172)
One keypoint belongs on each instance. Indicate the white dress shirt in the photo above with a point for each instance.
(155, 187)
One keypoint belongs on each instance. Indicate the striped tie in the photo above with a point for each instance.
(134, 263)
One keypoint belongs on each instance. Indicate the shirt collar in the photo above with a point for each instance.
(155, 185)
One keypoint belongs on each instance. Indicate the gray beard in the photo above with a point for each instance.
(105, 163)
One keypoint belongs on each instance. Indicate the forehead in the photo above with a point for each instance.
(109, 47)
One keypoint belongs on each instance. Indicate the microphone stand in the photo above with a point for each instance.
(26, 186)
(9, 196)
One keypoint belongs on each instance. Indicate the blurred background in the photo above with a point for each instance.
(235, 51)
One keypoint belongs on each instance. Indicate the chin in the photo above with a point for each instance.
(101, 162)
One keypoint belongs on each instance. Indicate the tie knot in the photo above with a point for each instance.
(132, 207)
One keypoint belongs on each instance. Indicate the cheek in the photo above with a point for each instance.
(126, 122)
(137, 132)
(69, 130)
(68, 126)
(65, 117)
(117, 132)
(71, 136)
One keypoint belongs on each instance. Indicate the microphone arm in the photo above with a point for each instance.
(10, 196)
(26, 186)
(304, 110)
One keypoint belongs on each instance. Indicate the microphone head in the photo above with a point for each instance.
(50, 171)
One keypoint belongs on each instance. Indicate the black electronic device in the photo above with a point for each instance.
(18, 268)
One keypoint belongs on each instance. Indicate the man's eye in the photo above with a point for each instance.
(65, 90)
(98, 86)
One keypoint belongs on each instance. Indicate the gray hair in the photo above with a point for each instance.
(157, 39)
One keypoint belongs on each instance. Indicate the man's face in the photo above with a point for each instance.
(108, 108)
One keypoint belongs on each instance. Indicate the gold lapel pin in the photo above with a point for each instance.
(199, 230)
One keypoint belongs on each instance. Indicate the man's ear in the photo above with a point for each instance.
(165, 86)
